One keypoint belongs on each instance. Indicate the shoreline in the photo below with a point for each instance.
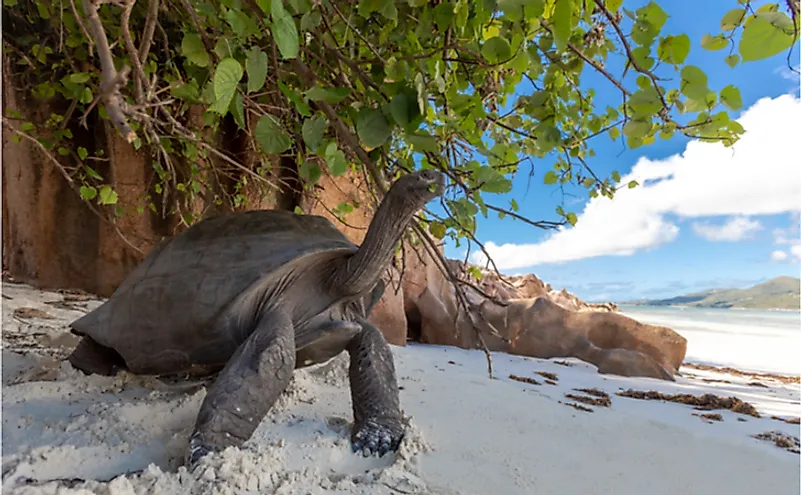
(683, 306)
(729, 370)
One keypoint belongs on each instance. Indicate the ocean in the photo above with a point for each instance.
(749, 340)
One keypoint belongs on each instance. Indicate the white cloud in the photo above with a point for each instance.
(787, 73)
(759, 175)
(736, 229)
(790, 235)
(778, 255)
(796, 251)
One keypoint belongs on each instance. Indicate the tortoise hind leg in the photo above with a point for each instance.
(91, 357)
(247, 387)
(377, 418)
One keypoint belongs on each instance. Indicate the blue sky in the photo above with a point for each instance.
(707, 216)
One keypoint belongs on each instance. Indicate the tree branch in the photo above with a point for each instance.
(111, 80)
(150, 29)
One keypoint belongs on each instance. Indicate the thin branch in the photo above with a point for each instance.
(111, 80)
(150, 29)
(79, 20)
(369, 45)
(132, 52)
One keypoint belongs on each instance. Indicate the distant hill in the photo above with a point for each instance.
(776, 293)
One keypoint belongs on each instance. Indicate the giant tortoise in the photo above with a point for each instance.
(251, 296)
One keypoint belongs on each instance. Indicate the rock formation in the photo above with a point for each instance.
(522, 315)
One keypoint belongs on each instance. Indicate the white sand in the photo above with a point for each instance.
(68, 434)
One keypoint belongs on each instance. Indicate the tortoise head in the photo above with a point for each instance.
(416, 189)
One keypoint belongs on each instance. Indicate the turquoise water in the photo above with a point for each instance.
(754, 340)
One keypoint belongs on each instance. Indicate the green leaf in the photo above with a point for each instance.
(615, 176)
(443, 15)
(256, 67)
(294, 96)
(80, 77)
(496, 50)
(571, 218)
(730, 97)
(562, 20)
(310, 172)
(82, 153)
(107, 196)
(310, 20)
(271, 136)
(226, 78)
(736, 127)
(237, 110)
(637, 128)
(372, 127)
(422, 143)
(492, 181)
(437, 229)
(645, 101)
(88, 193)
(92, 172)
(642, 55)
(713, 43)
(633, 184)
(335, 159)
(694, 82)
(765, 36)
(313, 131)
(674, 49)
(732, 19)
(649, 21)
(284, 31)
(732, 60)
(188, 92)
(328, 95)
(403, 107)
(241, 24)
(192, 48)
(550, 177)
(86, 96)
(653, 14)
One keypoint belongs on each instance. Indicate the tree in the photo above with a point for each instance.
(369, 85)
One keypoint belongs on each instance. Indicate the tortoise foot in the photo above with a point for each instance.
(379, 437)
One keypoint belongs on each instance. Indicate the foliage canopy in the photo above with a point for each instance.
(379, 86)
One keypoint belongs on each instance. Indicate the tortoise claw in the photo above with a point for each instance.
(196, 450)
(373, 437)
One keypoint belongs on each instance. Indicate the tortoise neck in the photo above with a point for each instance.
(362, 270)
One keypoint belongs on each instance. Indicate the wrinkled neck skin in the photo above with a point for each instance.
(362, 270)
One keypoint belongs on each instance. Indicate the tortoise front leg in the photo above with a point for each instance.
(377, 417)
(245, 390)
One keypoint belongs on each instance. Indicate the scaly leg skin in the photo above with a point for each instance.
(377, 418)
(246, 389)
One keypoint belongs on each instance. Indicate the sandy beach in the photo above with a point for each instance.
(519, 433)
